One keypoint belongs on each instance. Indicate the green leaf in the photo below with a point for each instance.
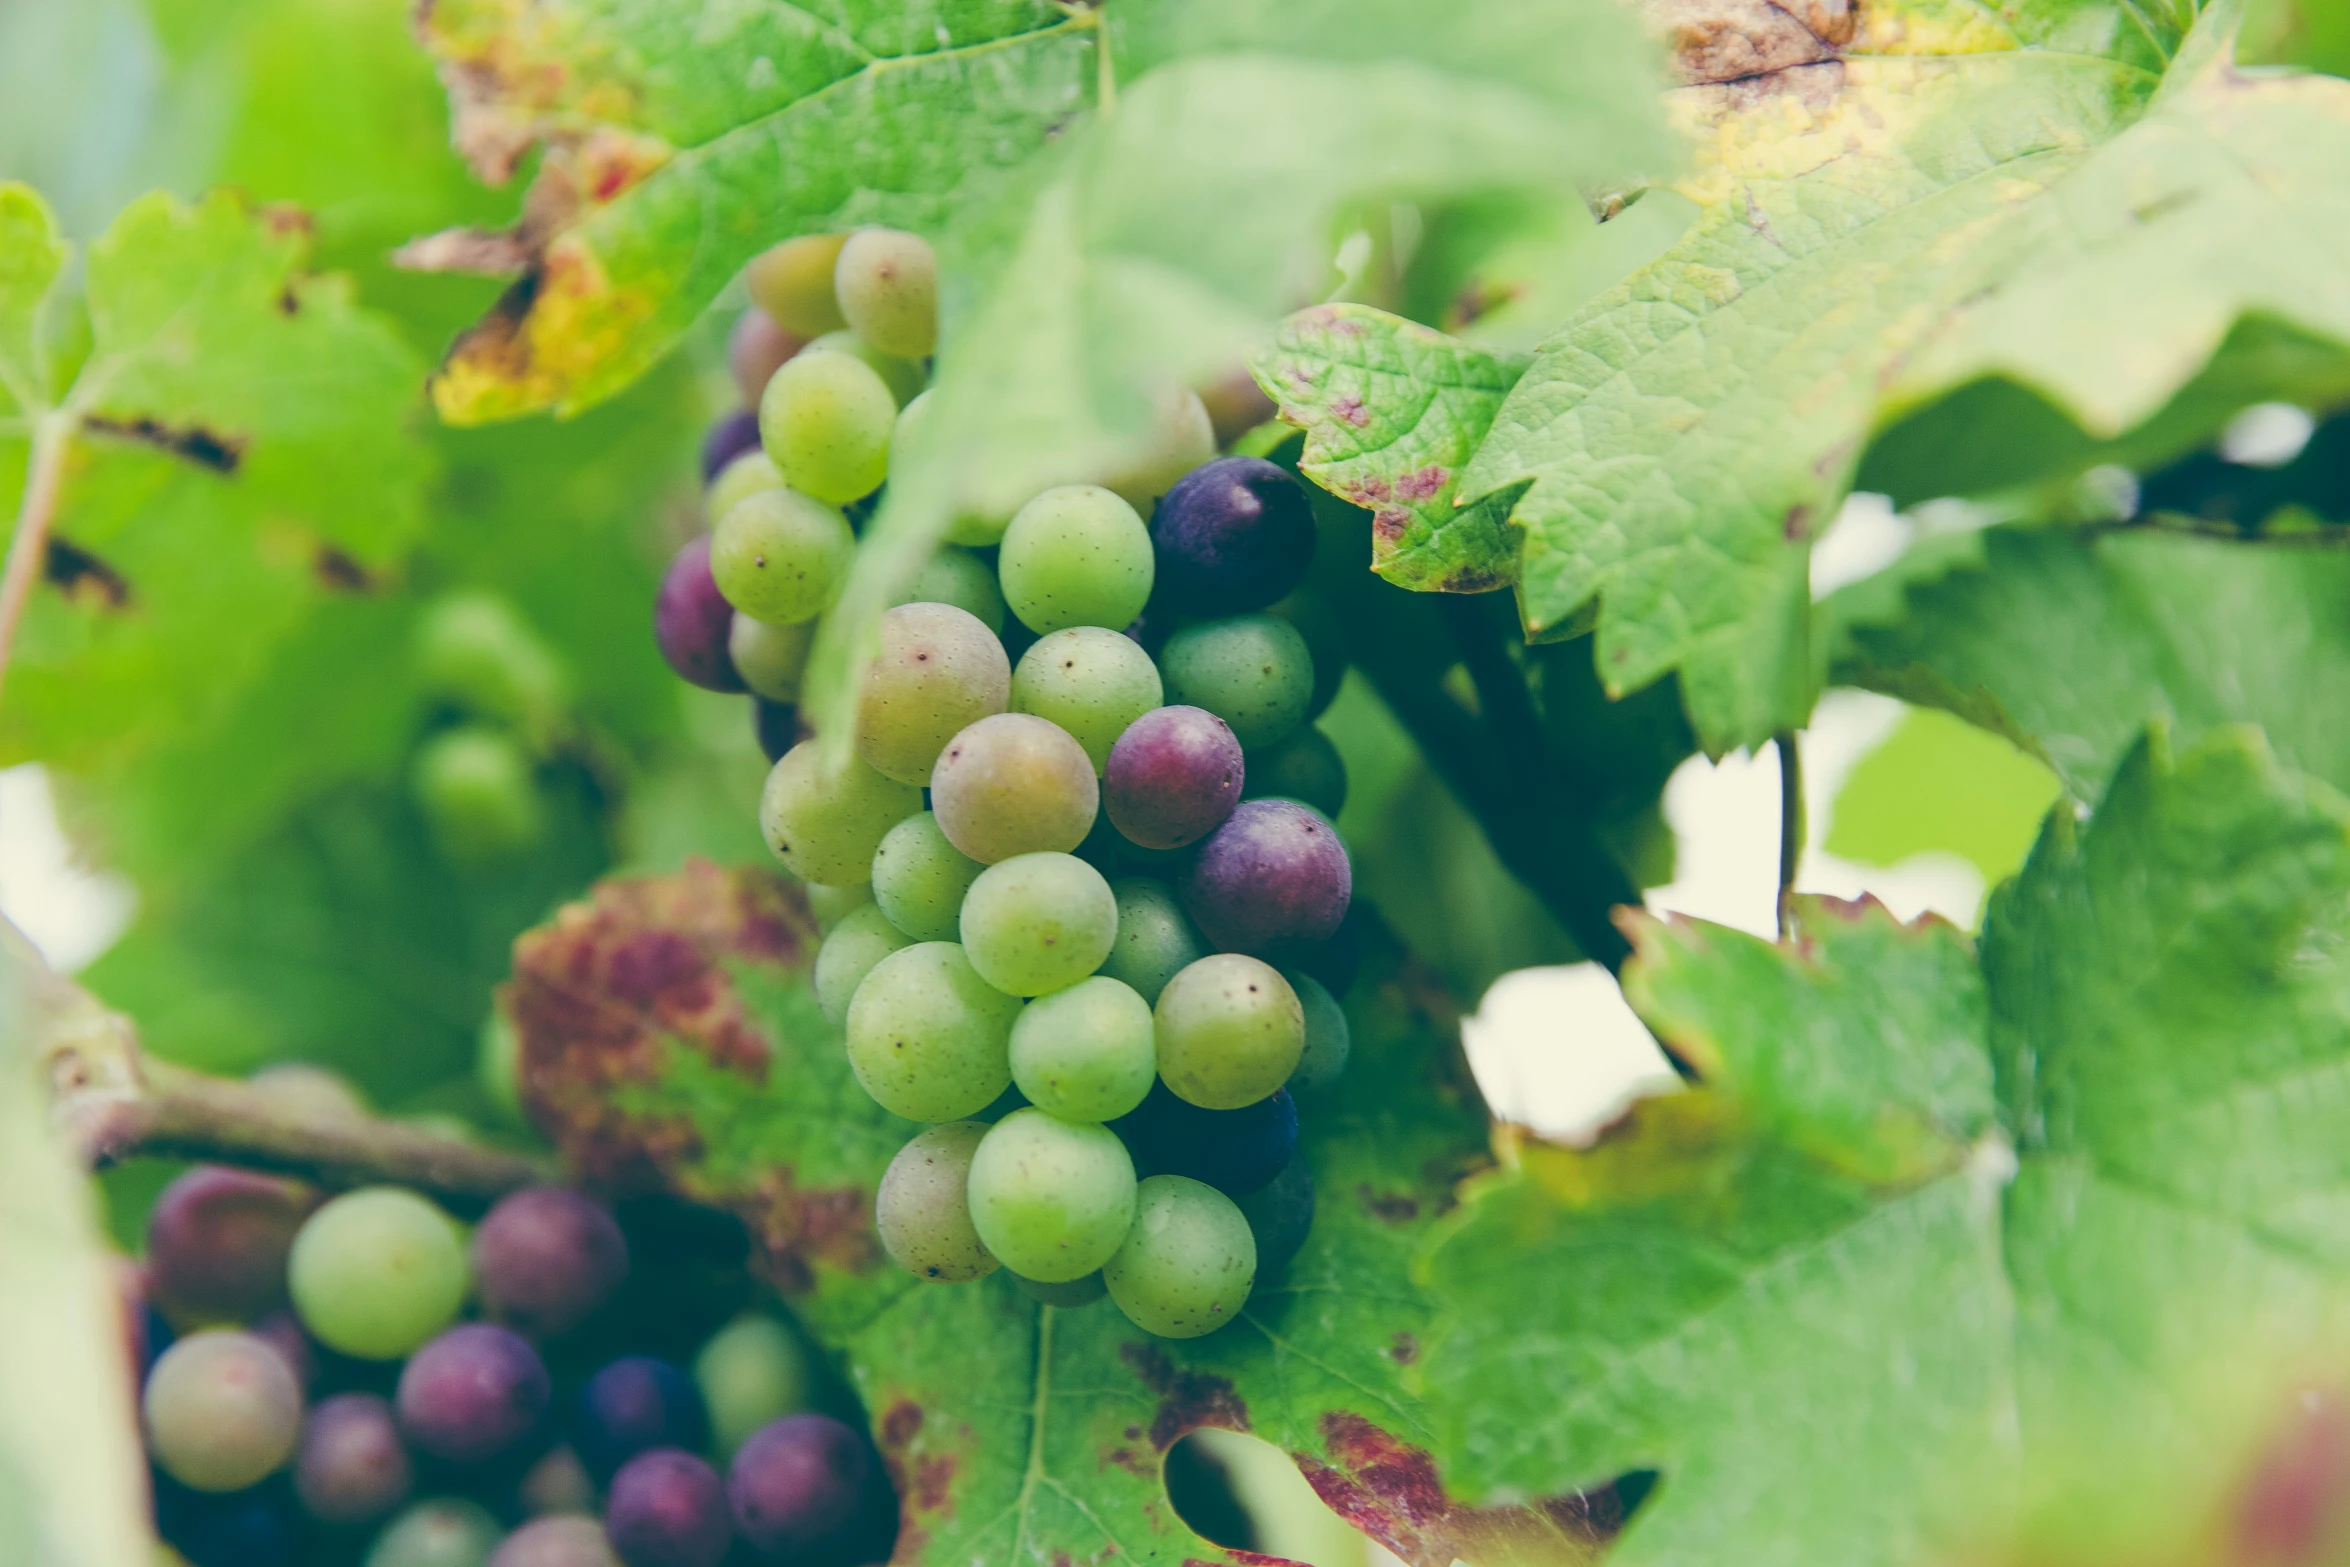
(1941, 785)
(1391, 410)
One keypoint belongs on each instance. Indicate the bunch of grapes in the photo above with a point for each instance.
(1080, 884)
(499, 708)
(311, 1391)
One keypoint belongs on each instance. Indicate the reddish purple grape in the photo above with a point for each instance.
(1273, 876)
(217, 1241)
(546, 1258)
(668, 1509)
(282, 1331)
(1235, 1151)
(473, 1393)
(806, 1490)
(634, 1404)
(1173, 777)
(777, 724)
(351, 1466)
(691, 619)
(1233, 535)
(728, 439)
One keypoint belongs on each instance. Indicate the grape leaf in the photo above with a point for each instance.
(2067, 643)
(1391, 410)
(2011, 1263)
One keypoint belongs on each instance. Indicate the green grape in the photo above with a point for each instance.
(863, 938)
(903, 377)
(1306, 767)
(1087, 1053)
(826, 420)
(779, 556)
(971, 525)
(770, 659)
(1076, 556)
(1230, 1031)
(1252, 671)
(939, 670)
(475, 649)
(923, 1208)
(958, 577)
(1091, 681)
(1179, 439)
(1156, 939)
(792, 282)
(1328, 1039)
(1186, 1266)
(1325, 638)
(746, 475)
(919, 879)
(221, 1410)
(1038, 922)
(831, 905)
(825, 826)
(376, 1272)
(444, 1532)
(1014, 784)
(1051, 1199)
(887, 284)
(1068, 1296)
(497, 1064)
(928, 1038)
(475, 788)
(751, 1371)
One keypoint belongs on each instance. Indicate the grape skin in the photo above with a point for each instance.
(824, 826)
(1234, 534)
(903, 377)
(1092, 682)
(1156, 939)
(927, 1037)
(740, 479)
(547, 1257)
(1280, 1215)
(691, 619)
(556, 1542)
(1038, 922)
(1329, 1041)
(667, 1508)
(472, 1393)
(1076, 555)
(733, 435)
(217, 1241)
(479, 799)
(1273, 876)
(632, 1405)
(445, 1531)
(1014, 784)
(376, 1272)
(756, 347)
(780, 556)
(863, 938)
(1179, 439)
(1235, 1151)
(1087, 1053)
(939, 670)
(792, 282)
(919, 879)
(351, 1466)
(1186, 1266)
(751, 1371)
(1252, 671)
(770, 659)
(830, 905)
(887, 283)
(1051, 1199)
(1230, 1031)
(923, 1207)
(805, 1490)
(958, 577)
(826, 420)
(1325, 638)
(221, 1410)
(1068, 1296)
(1304, 767)
(1173, 777)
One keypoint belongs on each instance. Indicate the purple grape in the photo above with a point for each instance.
(777, 724)
(1235, 1151)
(546, 1258)
(805, 1489)
(1272, 876)
(1233, 535)
(351, 1466)
(634, 1404)
(282, 1331)
(668, 1509)
(217, 1241)
(470, 1395)
(691, 619)
(1173, 777)
(728, 439)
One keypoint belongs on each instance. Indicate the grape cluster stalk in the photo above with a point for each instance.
(1085, 904)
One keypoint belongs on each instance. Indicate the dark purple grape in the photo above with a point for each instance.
(547, 1257)
(1273, 875)
(691, 619)
(1235, 1151)
(473, 1393)
(1233, 535)
(777, 724)
(1173, 777)
(217, 1241)
(805, 1489)
(351, 1466)
(634, 1404)
(668, 1509)
(1280, 1214)
(728, 439)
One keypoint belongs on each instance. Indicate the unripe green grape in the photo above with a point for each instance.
(221, 1410)
(1252, 671)
(1087, 1053)
(928, 1038)
(1325, 638)
(826, 420)
(1186, 1266)
(1076, 555)
(474, 648)
(823, 825)
(1179, 439)
(923, 1208)
(903, 377)
(446, 1531)
(1014, 784)
(475, 788)
(1328, 1039)
(938, 671)
(792, 282)
(1038, 922)
(919, 879)
(1230, 1031)
(376, 1272)
(1051, 1199)
(1068, 1296)
(970, 525)
(1306, 767)
(863, 938)
(779, 556)
(770, 658)
(887, 283)
(1091, 681)
(497, 1064)
(832, 904)
(752, 1371)
(958, 577)
(746, 475)
(1156, 939)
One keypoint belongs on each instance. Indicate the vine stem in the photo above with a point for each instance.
(1791, 821)
(28, 546)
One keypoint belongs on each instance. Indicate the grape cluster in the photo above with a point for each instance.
(498, 711)
(310, 1392)
(1079, 880)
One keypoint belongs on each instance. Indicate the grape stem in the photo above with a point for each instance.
(28, 546)
(1790, 821)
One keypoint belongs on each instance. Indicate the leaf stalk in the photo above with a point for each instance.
(28, 545)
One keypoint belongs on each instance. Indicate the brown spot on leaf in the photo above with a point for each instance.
(1187, 1399)
(1389, 524)
(1422, 483)
(798, 1227)
(1388, 1207)
(1349, 407)
(1391, 1491)
(1715, 41)
(900, 1422)
(341, 573)
(84, 578)
(193, 443)
(1404, 1349)
(1126, 1458)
